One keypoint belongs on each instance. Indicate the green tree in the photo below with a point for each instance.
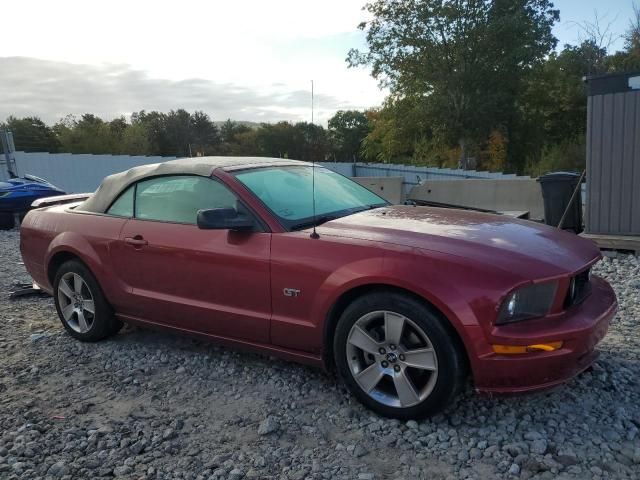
(281, 140)
(463, 59)
(135, 141)
(348, 128)
(398, 130)
(204, 134)
(177, 133)
(302, 141)
(629, 59)
(245, 143)
(228, 130)
(89, 134)
(554, 99)
(315, 145)
(30, 134)
(552, 123)
(154, 124)
(632, 37)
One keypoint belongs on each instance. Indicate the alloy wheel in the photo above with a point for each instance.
(76, 302)
(392, 359)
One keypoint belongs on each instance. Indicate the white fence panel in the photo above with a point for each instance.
(78, 173)
(343, 168)
(414, 175)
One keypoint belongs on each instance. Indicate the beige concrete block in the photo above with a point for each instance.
(488, 194)
(389, 188)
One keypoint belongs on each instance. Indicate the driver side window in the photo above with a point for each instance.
(178, 198)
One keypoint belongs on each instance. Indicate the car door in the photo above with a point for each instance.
(210, 281)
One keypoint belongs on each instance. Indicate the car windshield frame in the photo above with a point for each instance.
(311, 220)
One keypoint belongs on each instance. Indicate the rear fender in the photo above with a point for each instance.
(79, 246)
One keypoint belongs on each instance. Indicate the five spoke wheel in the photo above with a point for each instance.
(76, 302)
(392, 359)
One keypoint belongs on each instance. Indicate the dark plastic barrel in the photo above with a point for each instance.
(557, 189)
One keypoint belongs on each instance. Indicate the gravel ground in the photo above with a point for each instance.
(148, 405)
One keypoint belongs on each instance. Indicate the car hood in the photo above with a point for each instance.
(497, 240)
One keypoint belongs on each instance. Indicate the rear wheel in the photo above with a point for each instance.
(6, 221)
(81, 305)
(397, 356)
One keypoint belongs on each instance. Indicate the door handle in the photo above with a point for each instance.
(136, 241)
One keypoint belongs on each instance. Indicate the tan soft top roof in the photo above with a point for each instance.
(113, 185)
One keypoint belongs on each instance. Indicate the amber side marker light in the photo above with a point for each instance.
(515, 349)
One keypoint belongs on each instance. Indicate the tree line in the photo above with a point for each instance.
(473, 84)
(183, 134)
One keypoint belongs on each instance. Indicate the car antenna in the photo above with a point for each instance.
(314, 234)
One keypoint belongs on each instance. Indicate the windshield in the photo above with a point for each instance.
(287, 192)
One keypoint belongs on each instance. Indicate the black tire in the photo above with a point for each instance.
(451, 361)
(6, 221)
(104, 324)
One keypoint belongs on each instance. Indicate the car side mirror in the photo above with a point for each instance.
(224, 219)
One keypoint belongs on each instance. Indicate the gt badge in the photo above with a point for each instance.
(291, 292)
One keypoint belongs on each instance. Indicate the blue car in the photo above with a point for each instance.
(17, 195)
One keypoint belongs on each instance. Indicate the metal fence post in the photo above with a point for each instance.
(9, 148)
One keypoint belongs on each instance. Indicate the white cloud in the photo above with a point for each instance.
(248, 44)
(52, 90)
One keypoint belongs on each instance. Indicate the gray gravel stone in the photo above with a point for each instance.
(36, 337)
(235, 474)
(360, 451)
(127, 407)
(539, 446)
(58, 469)
(122, 471)
(269, 425)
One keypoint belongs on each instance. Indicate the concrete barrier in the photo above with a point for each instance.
(389, 188)
(499, 195)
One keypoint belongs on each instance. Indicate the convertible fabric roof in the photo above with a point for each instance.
(113, 185)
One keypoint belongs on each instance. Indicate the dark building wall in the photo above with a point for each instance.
(613, 157)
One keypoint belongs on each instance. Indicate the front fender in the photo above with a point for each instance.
(465, 293)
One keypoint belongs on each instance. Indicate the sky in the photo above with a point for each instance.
(249, 60)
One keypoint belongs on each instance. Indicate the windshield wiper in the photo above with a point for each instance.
(314, 222)
(367, 207)
(327, 218)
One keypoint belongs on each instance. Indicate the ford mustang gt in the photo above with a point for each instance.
(292, 259)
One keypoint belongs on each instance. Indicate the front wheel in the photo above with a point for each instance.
(397, 356)
(81, 305)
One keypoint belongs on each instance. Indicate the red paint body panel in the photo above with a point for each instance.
(232, 286)
(212, 281)
(580, 330)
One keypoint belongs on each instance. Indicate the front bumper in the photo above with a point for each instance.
(580, 329)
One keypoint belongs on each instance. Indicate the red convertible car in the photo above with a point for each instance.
(297, 261)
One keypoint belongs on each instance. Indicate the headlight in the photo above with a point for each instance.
(527, 302)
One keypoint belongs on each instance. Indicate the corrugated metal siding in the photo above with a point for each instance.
(613, 164)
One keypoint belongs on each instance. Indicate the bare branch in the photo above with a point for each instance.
(598, 31)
